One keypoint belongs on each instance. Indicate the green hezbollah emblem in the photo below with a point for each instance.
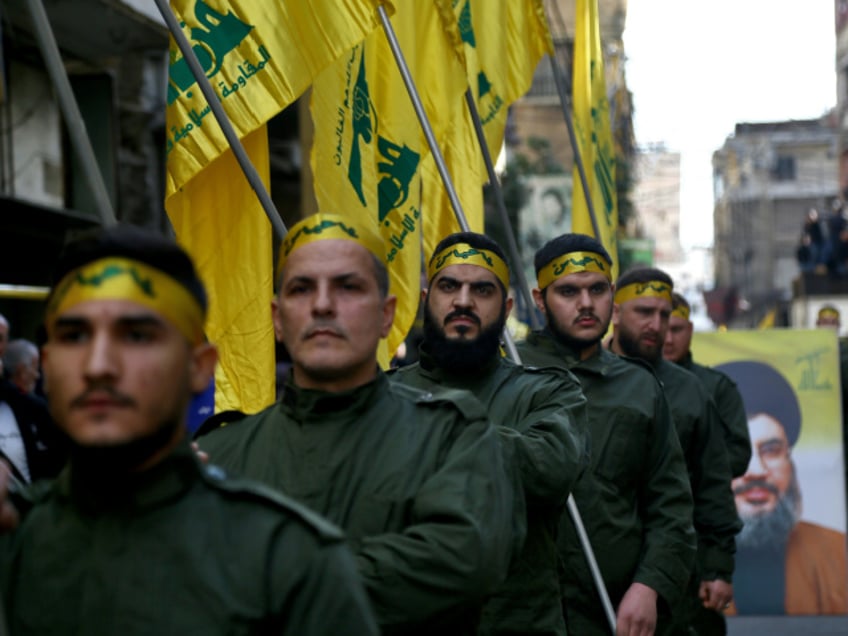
(399, 163)
(466, 26)
(560, 267)
(145, 285)
(659, 288)
(221, 34)
(464, 256)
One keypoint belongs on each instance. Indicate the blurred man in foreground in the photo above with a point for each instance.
(135, 537)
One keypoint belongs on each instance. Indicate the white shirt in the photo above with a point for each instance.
(11, 442)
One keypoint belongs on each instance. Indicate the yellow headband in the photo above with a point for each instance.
(651, 289)
(321, 227)
(828, 312)
(115, 278)
(572, 263)
(464, 254)
(681, 311)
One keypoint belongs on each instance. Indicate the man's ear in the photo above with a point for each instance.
(424, 294)
(389, 306)
(204, 358)
(509, 303)
(539, 299)
(276, 319)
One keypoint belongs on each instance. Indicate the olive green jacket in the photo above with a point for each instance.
(635, 501)
(699, 429)
(731, 410)
(416, 480)
(176, 549)
(541, 417)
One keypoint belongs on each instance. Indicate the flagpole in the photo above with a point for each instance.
(518, 270)
(217, 109)
(70, 110)
(421, 113)
(565, 103)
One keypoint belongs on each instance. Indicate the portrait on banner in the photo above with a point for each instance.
(791, 552)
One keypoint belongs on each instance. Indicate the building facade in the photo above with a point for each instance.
(766, 177)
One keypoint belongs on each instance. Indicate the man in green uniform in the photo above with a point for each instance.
(635, 499)
(640, 321)
(731, 410)
(135, 537)
(416, 479)
(540, 414)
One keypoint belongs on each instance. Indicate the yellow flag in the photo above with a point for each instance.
(259, 57)
(368, 148)
(594, 133)
(456, 137)
(503, 42)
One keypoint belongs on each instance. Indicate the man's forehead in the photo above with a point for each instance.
(465, 273)
(763, 426)
(108, 309)
(676, 322)
(580, 279)
(648, 302)
(327, 257)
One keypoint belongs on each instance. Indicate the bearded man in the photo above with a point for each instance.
(785, 565)
(540, 415)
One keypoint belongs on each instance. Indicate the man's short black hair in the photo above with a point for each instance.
(565, 244)
(136, 243)
(765, 391)
(642, 274)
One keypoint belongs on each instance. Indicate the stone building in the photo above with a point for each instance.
(766, 177)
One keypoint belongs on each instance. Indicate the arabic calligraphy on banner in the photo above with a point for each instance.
(232, 59)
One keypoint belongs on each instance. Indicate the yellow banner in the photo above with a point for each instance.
(792, 496)
(368, 147)
(594, 134)
(259, 57)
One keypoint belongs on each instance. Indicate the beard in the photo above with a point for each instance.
(575, 344)
(632, 347)
(100, 461)
(772, 528)
(461, 356)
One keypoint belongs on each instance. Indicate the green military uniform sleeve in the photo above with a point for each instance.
(329, 597)
(700, 431)
(549, 435)
(731, 411)
(716, 520)
(458, 543)
(666, 506)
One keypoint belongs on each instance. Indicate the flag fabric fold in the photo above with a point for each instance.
(594, 133)
(259, 57)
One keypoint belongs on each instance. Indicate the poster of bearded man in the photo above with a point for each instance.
(791, 552)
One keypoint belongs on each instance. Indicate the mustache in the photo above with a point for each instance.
(98, 393)
(458, 313)
(586, 314)
(757, 483)
(324, 326)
